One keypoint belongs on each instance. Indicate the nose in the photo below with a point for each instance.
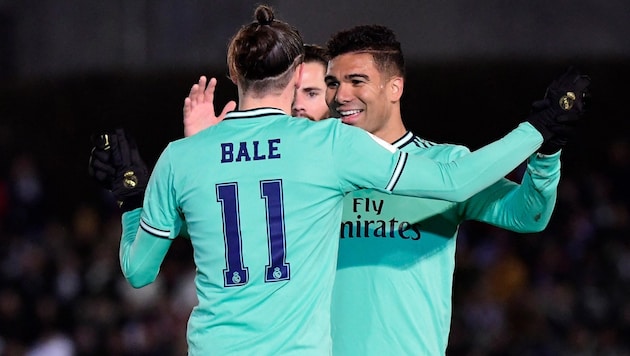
(297, 112)
(342, 94)
(297, 108)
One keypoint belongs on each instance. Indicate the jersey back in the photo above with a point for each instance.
(261, 194)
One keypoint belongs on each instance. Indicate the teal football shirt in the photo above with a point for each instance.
(261, 194)
(392, 294)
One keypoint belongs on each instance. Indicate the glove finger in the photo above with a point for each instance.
(100, 166)
(101, 141)
(104, 178)
(115, 149)
(540, 105)
(123, 146)
(101, 154)
(119, 148)
(102, 172)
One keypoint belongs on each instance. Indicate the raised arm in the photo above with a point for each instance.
(555, 118)
(462, 178)
(524, 207)
(116, 165)
(527, 207)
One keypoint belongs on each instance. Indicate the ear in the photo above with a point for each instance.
(396, 86)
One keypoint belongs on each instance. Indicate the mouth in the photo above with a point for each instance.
(303, 115)
(349, 116)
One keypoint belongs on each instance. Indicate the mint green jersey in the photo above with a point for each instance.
(392, 294)
(261, 195)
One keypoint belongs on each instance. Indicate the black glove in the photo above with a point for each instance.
(99, 166)
(116, 165)
(564, 133)
(557, 115)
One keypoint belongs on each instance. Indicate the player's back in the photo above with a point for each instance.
(261, 196)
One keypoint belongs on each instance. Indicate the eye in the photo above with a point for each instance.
(331, 84)
(312, 94)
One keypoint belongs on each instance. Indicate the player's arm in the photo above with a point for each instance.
(462, 178)
(365, 161)
(116, 165)
(199, 111)
(144, 247)
(528, 207)
(524, 207)
(141, 253)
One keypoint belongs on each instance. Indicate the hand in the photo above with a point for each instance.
(99, 167)
(557, 115)
(199, 107)
(116, 165)
(570, 94)
(563, 135)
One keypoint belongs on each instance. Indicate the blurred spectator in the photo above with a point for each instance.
(563, 291)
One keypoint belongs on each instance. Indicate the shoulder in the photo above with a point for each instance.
(444, 151)
(335, 128)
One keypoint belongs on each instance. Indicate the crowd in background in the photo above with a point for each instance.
(563, 291)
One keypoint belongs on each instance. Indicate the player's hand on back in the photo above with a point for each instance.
(199, 111)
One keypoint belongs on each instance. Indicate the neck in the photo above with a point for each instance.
(280, 100)
(393, 129)
(248, 103)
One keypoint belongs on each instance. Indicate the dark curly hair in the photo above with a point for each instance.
(377, 40)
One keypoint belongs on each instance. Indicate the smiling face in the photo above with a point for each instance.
(360, 94)
(310, 101)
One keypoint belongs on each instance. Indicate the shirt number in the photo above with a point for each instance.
(236, 273)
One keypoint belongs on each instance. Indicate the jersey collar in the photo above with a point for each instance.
(253, 113)
(403, 141)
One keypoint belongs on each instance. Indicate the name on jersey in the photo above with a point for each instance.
(246, 151)
(376, 228)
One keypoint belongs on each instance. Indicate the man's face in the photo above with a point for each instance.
(358, 92)
(310, 101)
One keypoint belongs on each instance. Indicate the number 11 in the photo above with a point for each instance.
(236, 273)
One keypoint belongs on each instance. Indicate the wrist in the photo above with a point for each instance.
(541, 121)
(131, 202)
(553, 155)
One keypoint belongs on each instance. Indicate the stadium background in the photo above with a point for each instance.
(70, 68)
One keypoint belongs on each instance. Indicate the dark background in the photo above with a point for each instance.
(464, 102)
(71, 68)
